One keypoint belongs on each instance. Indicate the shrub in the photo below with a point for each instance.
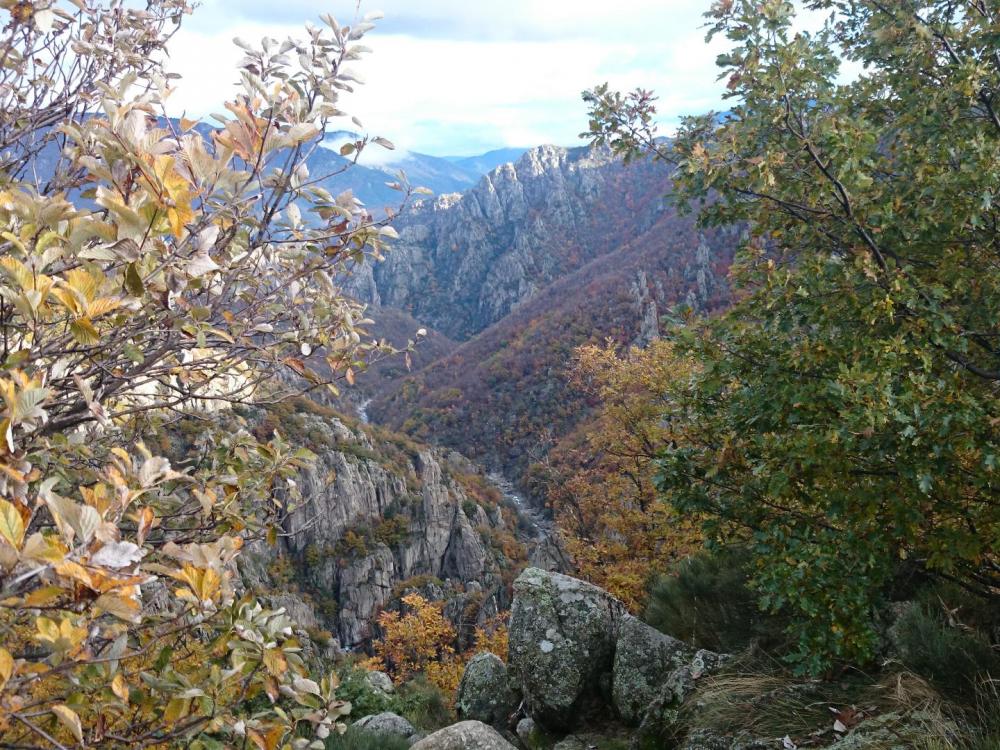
(365, 700)
(357, 739)
(707, 600)
(424, 704)
(152, 267)
(953, 658)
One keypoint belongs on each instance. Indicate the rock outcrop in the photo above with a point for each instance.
(386, 724)
(484, 693)
(466, 735)
(465, 261)
(375, 515)
(562, 637)
(573, 646)
(644, 657)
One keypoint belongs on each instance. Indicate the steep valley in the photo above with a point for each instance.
(562, 248)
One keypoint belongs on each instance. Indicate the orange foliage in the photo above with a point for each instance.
(613, 525)
(422, 641)
(412, 641)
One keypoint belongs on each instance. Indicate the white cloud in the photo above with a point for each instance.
(461, 76)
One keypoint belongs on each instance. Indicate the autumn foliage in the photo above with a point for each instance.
(616, 529)
(151, 269)
(421, 641)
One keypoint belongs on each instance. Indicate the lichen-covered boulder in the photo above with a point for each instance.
(484, 693)
(895, 731)
(466, 735)
(380, 682)
(562, 638)
(644, 659)
(659, 717)
(386, 724)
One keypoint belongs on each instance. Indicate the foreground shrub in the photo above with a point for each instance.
(150, 268)
(355, 739)
(843, 411)
(707, 600)
(955, 659)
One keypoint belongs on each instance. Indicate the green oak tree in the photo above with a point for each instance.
(844, 414)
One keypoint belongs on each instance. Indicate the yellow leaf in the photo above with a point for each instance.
(42, 548)
(266, 740)
(274, 661)
(41, 597)
(84, 332)
(11, 524)
(70, 569)
(6, 666)
(102, 306)
(122, 608)
(176, 709)
(120, 688)
(70, 720)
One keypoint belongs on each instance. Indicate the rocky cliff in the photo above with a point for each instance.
(379, 514)
(465, 261)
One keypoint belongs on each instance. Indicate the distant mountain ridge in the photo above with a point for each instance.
(376, 166)
(464, 262)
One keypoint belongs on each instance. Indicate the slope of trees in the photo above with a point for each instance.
(599, 480)
(847, 404)
(155, 269)
(502, 396)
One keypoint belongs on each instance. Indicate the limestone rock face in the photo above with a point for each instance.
(484, 693)
(464, 261)
(371, 517)
(644, 658)
(466, 735)
(562, 638)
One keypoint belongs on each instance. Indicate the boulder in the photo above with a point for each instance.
(527, 732)
(562, 639)
(466, 735)
(386, 724)
(896, 731)
(380, 682)
(484, 693)
(659, 718)
(644, 659)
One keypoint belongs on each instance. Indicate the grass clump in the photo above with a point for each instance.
(357, 739)
(955, 658)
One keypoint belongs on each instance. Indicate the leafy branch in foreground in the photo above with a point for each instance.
(153, 268)
(847, 403)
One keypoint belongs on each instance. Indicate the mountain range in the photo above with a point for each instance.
(560, 248)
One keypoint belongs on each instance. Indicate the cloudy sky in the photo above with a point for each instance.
(456, 77)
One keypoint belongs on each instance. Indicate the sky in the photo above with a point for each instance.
(461, 77)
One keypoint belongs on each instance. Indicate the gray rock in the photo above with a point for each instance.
(354, 483)
(570, 743)
(386, 724)
(707, 739)
(659, 717)
(896, 731)
(380, 682)
(466, 735)
(644, 659)
(562, 638)
(484, 693)
(526, 730)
